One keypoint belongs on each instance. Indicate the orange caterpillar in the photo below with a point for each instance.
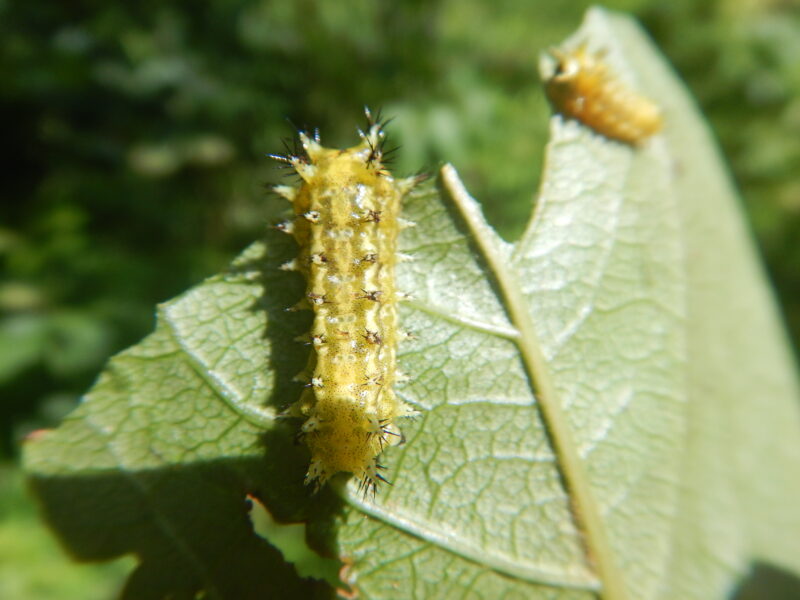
(584, 88)
(346, 222)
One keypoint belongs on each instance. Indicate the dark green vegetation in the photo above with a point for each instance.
(135, 138)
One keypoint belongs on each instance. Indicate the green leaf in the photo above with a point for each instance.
(608, 405)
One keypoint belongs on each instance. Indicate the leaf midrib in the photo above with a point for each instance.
(584, 507)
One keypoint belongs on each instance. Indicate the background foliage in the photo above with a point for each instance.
(135, 137)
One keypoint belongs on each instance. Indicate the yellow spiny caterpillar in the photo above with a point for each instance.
(584, 88)
(346, 222)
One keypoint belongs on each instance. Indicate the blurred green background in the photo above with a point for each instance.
(134, 150)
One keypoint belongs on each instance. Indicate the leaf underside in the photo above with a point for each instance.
(608, 405)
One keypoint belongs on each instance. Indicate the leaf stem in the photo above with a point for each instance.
(585, 509)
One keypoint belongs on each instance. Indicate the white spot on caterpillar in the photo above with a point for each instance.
(286, 191)
(286, 227)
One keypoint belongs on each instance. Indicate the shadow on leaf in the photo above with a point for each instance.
(767, 582)
(159, 458)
